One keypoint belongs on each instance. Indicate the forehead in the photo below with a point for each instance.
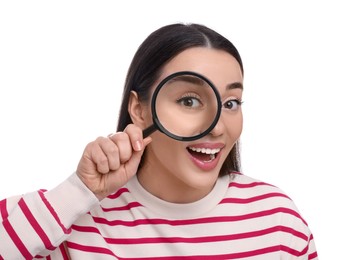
(218, 66)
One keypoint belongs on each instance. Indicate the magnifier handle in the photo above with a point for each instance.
(148, 131)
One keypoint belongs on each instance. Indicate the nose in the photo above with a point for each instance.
(219, 128)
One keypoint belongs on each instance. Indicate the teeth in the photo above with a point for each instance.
(205, 150)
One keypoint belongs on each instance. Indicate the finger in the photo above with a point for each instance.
(127, 170)
(123, 145)
(98, 157)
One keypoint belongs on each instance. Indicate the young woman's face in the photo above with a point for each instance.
(186, 171)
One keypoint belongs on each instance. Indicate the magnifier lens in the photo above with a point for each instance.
(186, 106)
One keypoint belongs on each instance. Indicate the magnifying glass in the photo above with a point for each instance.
(185, 106)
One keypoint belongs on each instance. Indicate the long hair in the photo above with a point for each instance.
(152, 55)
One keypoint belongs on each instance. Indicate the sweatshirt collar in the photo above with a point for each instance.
(161, 208)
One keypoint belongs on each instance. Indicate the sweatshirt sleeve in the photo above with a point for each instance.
(36, 223)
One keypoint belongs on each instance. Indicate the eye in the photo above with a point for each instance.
(189, 101)
(232, 104)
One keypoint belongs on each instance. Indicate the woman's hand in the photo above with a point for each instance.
(109, 162)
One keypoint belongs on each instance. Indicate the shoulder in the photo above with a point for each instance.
(267, 209)
(262, 199)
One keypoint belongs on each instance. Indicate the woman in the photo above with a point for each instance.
(158, 198)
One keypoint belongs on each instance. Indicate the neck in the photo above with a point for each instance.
(168, 187)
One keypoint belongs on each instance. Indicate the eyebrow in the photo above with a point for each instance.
(196, 80)
(235, 85)
(188, 78)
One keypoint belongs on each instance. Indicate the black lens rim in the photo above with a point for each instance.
(162, 129)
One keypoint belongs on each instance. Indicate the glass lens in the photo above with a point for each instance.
(186, 106)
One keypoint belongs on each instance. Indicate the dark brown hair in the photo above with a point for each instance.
(152, 55)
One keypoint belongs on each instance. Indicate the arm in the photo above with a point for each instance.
(36, 223)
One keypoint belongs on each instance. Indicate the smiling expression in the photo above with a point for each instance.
(183, 172)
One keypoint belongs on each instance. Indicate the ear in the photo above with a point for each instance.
(135, 109)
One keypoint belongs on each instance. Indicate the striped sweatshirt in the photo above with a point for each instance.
(241, 218)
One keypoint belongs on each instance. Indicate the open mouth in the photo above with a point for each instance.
(203, 154)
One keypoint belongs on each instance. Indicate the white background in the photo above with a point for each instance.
(62, 69)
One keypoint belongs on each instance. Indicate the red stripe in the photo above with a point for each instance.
(38, 229)
(196, 221)
(239, 255)
(251, 234)
(312, 256)
(86, 229)
(64, 252)
(253, 199)
(126, 207)
(207, 239)
(53, 213)
(90, 249)
(3, 210)
(292, 251)
(118, 193)
(249, 185)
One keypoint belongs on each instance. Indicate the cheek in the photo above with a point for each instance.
(234, 126)
(164, 147)
(239, 128)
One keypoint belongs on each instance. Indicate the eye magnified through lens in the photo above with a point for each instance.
(185, 106)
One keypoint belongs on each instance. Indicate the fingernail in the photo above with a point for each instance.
(138, 145)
